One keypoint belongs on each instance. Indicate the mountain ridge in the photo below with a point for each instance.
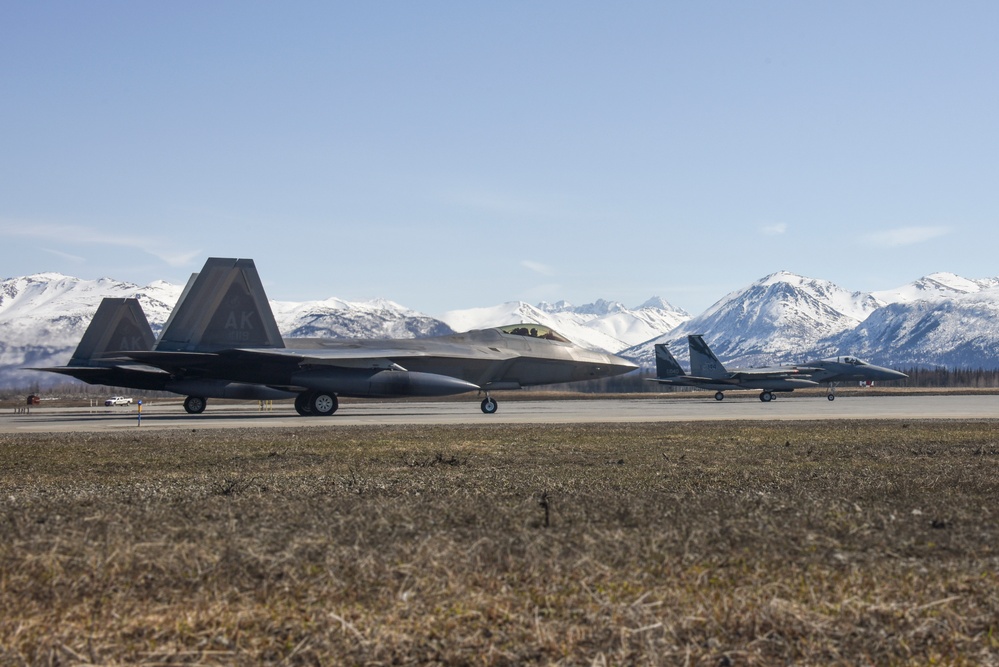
(941, 319)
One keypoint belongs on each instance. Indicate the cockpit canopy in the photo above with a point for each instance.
(852, 361)
(534, 331)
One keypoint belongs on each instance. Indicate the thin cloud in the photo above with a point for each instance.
(775, 229)
(537, 267)
(159, 247)
(903, 236)
(65, 255)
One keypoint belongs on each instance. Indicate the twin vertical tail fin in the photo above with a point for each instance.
(666, 364)
(223, 306)
(119, 325)
(703, 362)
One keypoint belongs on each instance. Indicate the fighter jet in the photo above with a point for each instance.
(223, 331)
(707, 372)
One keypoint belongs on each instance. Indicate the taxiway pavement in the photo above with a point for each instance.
(170, 415)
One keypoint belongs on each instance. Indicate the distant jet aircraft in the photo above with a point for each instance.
(222, 332)
(707, 372)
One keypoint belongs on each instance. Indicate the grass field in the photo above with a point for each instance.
(705, 544)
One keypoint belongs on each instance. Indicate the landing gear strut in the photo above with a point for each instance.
(832, 392)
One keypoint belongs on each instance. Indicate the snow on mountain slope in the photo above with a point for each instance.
(603, 324)
(960, 331)
(768, 322)
(335, 318)
(515, 312)
(935, 286)
(53, 310)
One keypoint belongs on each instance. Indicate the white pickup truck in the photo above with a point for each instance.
(118, 400)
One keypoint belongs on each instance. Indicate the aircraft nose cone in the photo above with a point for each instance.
(887, 374)
(620, 365)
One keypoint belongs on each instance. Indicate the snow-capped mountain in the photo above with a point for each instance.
(335, 318)
(602, 324)
(934, 287)
(961, 331)
(771, 320)
(53, 310)
(939, 320)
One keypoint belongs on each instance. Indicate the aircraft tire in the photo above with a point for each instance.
(831, 397)
(302, 403)
(195, 405)
(719, 396)
(766, 397)
(323, 404)
(489, 406)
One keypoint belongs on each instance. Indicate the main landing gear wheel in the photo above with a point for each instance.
(323, 404)
(719, 396)
(195, 405)
(302, 404)
(831, 397)
(767, 396)
(489, 405)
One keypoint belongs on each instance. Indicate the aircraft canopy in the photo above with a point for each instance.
(534, 331)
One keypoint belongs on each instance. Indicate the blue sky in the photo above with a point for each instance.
(449, 155)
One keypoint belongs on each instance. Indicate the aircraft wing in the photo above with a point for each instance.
(767, 373)
(387, 357)
(170, 361)
(694, 380)
(84, 372)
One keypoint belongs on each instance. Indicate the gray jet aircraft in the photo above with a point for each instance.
(707, 372)
(223, 331)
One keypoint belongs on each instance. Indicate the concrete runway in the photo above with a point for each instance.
(170, 415)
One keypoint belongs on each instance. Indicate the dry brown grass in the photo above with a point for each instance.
(713, 544)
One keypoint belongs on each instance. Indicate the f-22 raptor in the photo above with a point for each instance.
(708, 372)
(222, 340)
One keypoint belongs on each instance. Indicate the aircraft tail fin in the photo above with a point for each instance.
(703, 361)
(666, 364)
(119, 325)
(223, 306)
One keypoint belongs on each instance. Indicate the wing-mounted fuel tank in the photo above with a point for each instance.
(212, 388)
(373, 383)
